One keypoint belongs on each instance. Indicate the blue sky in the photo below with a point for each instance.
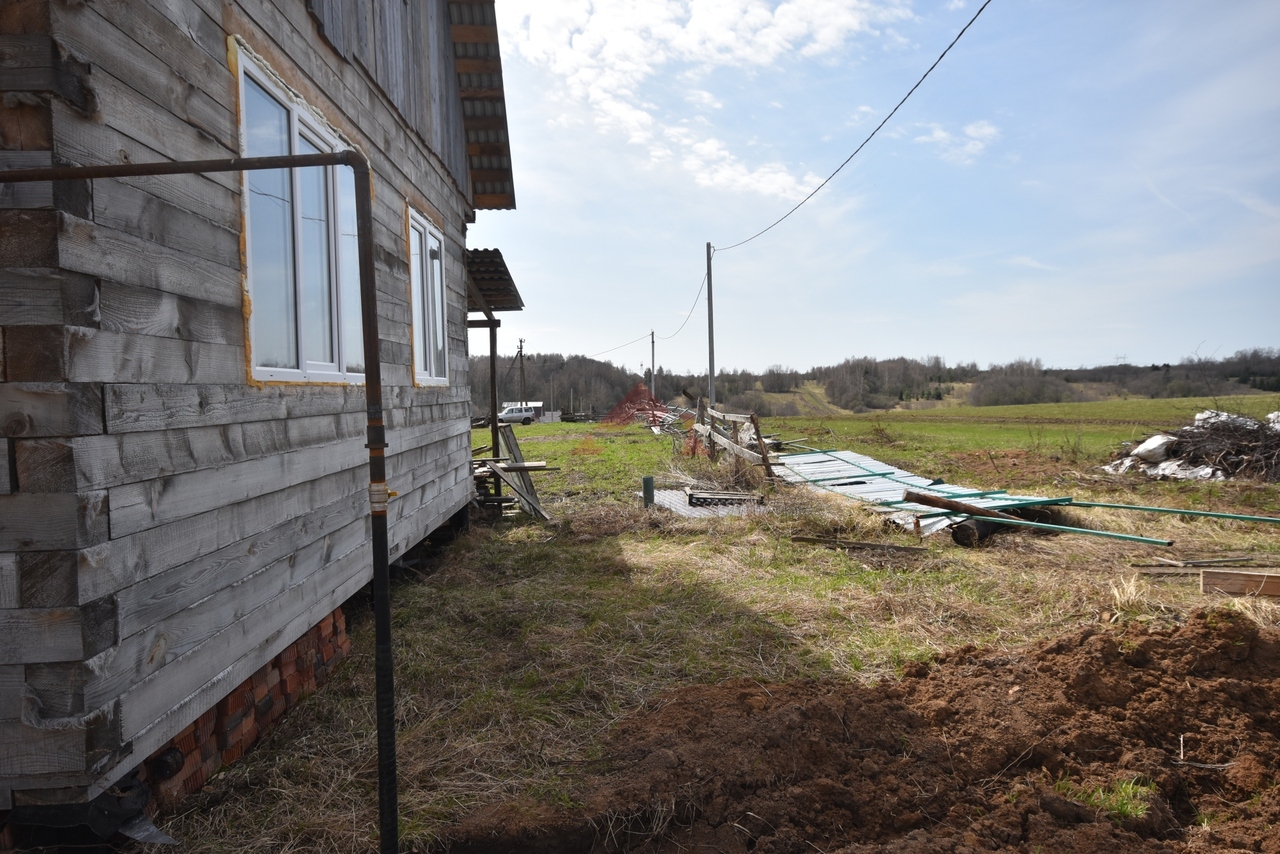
(1076, 181)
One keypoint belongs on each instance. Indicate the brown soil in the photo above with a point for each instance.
(972, 752)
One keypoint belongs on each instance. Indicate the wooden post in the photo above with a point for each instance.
(764, 448)
(493, 400)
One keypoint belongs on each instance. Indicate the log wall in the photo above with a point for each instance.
(167, 526)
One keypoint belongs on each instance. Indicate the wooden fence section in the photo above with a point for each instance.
(168, 527)
(732, 433)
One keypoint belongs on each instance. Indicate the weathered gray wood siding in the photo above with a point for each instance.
(166, 526)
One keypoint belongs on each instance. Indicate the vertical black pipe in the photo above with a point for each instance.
(383, 664)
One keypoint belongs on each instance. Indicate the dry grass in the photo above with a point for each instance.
(525, 643)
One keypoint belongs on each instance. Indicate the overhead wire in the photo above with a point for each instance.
(885, 121)
(619, 347)
(815, 191)
(690, 314)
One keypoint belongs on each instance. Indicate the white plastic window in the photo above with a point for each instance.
(300, 234)
(427, 292)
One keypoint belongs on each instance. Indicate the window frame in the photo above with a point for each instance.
(303, 126)
(425, 372)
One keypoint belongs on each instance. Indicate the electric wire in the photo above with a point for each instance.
(619, 347)
(801, 203)
(691, 309)
(869, 137)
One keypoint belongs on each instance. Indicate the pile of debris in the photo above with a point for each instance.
(1216, 446)
(638, 404)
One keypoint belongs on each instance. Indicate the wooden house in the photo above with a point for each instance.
(183, 482)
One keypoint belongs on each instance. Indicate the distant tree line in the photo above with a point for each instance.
(862, 383)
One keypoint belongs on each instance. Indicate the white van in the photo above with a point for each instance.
(517, 415)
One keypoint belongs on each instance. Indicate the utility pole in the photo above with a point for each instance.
(711, 336)
(653, 367)
(524, 398)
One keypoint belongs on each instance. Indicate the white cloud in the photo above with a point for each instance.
(963, 148)
(703, 98)
(713, 165)
(955, 5)
(605, 52)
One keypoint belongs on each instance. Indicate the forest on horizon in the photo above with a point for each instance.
(859, 384)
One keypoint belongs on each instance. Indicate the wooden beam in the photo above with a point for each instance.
(50, 409)
(34, 635)
(1239, 583)
(530, 504)
(58, 521)
(715, 437)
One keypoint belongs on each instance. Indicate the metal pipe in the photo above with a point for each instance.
(1177, 512)
(384, 689)
(1063, 529)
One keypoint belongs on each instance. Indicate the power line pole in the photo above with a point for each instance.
(711, 335)
(653, 368)
(524, 398)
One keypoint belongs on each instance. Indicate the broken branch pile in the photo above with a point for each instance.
(1216, 445)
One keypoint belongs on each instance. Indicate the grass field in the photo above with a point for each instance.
(519, 645)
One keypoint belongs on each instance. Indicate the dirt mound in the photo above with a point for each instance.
(1141, 739)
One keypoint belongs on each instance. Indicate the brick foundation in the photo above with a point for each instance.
(225, 732)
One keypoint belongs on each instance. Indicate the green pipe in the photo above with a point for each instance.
(1236, 516)
(1039, 502)
(1045, 526)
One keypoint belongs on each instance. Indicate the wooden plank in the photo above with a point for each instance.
(109, 254)
(7, 466)
(28, 750)
(528, 502)
(86, 355)
(127, 560)
(36, 195)
(87, 34)
(1239, 583)
(112, 460)
(9, 581)
(143, 311)
(159, 596)
(713, 435)
(50, 409)
(12, 684)
(507, 434)
(33, 635)
(162, 641)
(45, 465)
(132, 130)
(764, 446)
(41, 297)
(39, 521)
(156, 695)
(138, 408)
(133, 211)
(171, 43)
(136, 507)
